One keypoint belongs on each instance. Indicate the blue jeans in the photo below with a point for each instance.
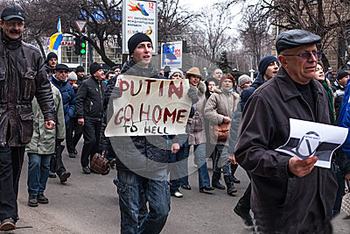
(130, 187)
(178, 168)
(38, 172)
(200, 158)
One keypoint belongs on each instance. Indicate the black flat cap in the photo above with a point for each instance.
(294, 38)
(12, 12)
(61, 66)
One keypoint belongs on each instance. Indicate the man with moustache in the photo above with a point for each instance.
(288, 195)
(22, 76)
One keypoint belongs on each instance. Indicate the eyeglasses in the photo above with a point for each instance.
(228, 81)
(62, 71)
(307, 55)
(13, 23)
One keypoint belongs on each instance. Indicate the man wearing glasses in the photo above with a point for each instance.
(59, 80)
(288, 195)
(22, 76)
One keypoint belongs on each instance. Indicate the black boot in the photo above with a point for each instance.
(233, 170)
(215, 182)
(33, 200)
(244, 214)
(230, 186)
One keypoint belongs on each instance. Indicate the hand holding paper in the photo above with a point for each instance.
(307, 139)
(303, 167)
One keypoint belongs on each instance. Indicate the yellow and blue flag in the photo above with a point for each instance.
(55, 39)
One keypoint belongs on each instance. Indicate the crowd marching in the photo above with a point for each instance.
(233, 121)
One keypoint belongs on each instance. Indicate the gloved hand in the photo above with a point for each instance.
(192, 93)
(116, 93)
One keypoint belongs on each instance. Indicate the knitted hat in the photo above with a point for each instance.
(79, 69)
(265, 62)
(51, 55)
(173, 71)
(243, 79)
(137, 39)
(342, 74)
(72, 76)
(94, 67)
(227, 76)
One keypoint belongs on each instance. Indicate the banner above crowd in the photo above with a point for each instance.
(149, 107)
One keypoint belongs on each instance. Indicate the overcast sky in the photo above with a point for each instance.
(195, 4)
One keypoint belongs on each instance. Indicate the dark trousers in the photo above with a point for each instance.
(11, 161)
(244, 202)
(73, 134)
(91, 133)
(56, 164)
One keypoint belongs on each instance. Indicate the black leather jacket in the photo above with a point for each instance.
(22, 76)
(90, 99)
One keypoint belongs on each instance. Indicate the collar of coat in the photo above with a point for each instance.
(287, 87)
(201, 88)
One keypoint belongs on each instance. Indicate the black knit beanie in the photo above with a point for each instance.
(51, 55)
(342, 74)
(94, 67)
(265, 62)
(79, 69)
(137, 39)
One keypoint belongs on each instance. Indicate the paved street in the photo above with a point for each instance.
(89, 204)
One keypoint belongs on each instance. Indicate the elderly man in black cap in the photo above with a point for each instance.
(89, 112)
(59, 80)
(288, 195)
(22, 76)
(141, 160)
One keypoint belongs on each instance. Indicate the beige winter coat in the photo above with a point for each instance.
(219, 105)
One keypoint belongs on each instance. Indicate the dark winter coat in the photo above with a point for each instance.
(142, 154)
(22, 76)
(249, 91)
(282, 202)
(68, 98)
(90, 99)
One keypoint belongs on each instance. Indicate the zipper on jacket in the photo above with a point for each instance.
(101, 98)
(91, 104)
(312, 114)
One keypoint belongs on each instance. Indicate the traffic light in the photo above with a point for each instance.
(80, 46)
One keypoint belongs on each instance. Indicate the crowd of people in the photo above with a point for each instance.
(233, 121)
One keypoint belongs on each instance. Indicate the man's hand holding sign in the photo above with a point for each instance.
(149, 107)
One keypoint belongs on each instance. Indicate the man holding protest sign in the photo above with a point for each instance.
(141, 158)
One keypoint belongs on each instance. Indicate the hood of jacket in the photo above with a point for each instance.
(259, 80)
(131, 68)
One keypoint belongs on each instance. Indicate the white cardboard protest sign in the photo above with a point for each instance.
(307, 139)
(149, 107)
